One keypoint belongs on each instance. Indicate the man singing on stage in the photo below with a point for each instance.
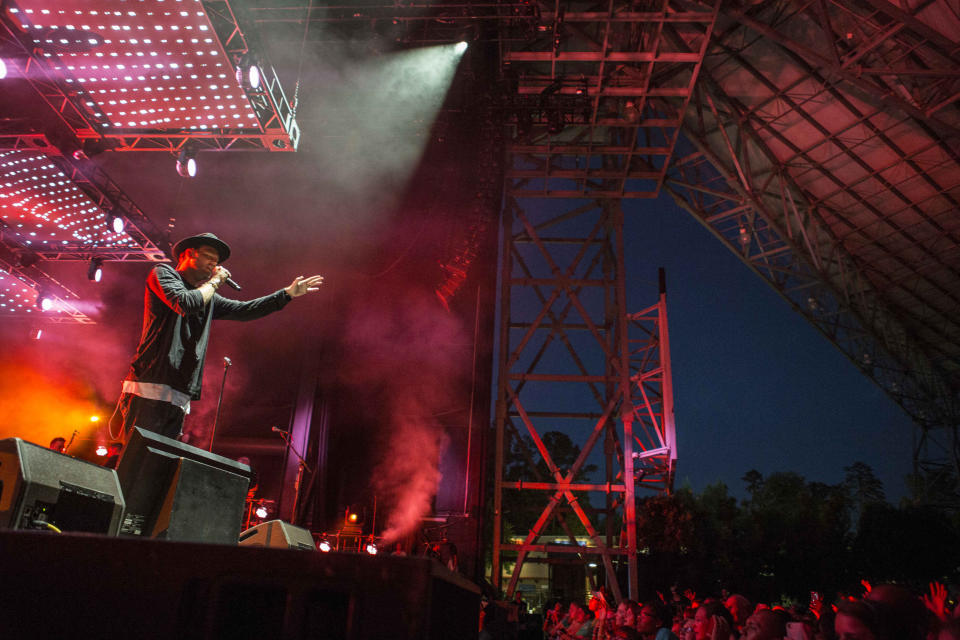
(179, 305)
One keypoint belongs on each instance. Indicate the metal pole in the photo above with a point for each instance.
(223, 384)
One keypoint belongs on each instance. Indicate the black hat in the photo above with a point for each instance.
(203, 239)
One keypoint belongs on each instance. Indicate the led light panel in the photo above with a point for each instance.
(18, 298)
(143, 65)
(43, 209)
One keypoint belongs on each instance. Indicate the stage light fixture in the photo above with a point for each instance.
(261, 512)
(187, 162)
(248, 76)
(253, 76)
(116, 223)
(460, 47)
(101, 450)
(324, 546)
(44, 301)
(371, 548)
(95, 270)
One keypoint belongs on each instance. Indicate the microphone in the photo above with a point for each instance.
(277, 430)
(233, 284)
(227, 361)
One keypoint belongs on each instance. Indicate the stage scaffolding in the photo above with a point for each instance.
(99, 76)
(596, 97)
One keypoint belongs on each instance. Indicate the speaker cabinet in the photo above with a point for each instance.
(41, 487)
(279, 535)
(178, 492)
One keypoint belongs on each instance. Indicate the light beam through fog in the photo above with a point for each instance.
(375, 120)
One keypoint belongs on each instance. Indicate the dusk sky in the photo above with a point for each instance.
(756, 385)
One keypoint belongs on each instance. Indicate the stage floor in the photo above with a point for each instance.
(91, 586)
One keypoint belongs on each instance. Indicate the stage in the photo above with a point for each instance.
(94, 586)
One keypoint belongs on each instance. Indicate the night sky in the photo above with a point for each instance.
(756, 385)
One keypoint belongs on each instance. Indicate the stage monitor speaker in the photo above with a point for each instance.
(41, 488)
(278, 535)
(178, 492)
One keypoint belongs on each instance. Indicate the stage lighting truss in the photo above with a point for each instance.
(54, 209)
(22, 288)
(152, 75)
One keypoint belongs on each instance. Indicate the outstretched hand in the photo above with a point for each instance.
(937, 600)
(301, 285)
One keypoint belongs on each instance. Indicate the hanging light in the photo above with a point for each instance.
(248, 74)
(116, 223)
(44, 301)
(187, 162)
(95, 269)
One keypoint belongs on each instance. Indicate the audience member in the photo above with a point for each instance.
(765, 624)
(740, 609)
(655, 620)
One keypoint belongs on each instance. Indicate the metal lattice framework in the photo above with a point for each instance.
(597, 95)
(819, 141)
(141, 237)
(77, 105)
(836, 177)
(573, 361)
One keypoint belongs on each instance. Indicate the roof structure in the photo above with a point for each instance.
(824, 149)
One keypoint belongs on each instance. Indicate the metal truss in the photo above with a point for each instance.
(838, 194)
(67, 105)
(277, 128)
(572, 360)
(40, 281)
(597, 95)
(151, 244)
